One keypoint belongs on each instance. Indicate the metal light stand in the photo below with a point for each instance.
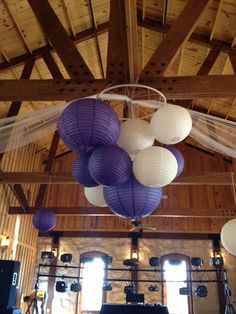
(229, 309)
(33, 306)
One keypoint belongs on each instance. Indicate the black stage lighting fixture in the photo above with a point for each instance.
(216, 261)
(196, 261)
(129, 289)
(185, 291)
(153, 288)
(61, 286)
(107, 287)
(130, 262)
(201, 291)
(66, 258)
(154, 261)
(75, 287)
(47, 255)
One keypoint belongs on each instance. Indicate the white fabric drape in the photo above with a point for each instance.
(212, 132)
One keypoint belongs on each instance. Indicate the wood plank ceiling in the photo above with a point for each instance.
(185, 48)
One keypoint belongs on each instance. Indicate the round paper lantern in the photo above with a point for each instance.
(110, 165)
(95, 196)
(179, 157)
(135, 135)
(80, 170)
(155, 166)
(44, 220)
(132, 199)
(171, 124)
(87, 123)
(228, 236)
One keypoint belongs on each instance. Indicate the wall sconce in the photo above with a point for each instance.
(134, 254)
(5, 242)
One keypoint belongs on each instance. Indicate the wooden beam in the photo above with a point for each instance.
(48, 166)
(175, 38)
(209, 62)
(188, 178)
(52, 66)
(232, 57)
(178, 87)
(117, 55)
(37, 53)
(20, 196)
(156, 25)
(160, 212)
(56, 33)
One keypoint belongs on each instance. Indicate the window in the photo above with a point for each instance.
(93, 274)
(175, 268)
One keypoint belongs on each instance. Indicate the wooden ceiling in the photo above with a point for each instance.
(58, 50)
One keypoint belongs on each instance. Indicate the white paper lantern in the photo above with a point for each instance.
(95, 196)
(155, 166)
(228, 236)
(171, 124)
(135, 135)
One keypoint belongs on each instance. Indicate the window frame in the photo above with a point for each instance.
(91, 254)
(188, 267)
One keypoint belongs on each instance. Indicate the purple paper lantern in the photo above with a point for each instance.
(179, 157)
(110, 165)
(80, 170)
(44, 220)
(132, 199)
(87, 123)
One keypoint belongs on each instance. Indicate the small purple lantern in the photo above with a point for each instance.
(44, 220)
(80, 170)
(110, 165)
(132, 199)
(179, 157)
(87, 123)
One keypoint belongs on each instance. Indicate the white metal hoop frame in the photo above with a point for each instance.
(108, 95)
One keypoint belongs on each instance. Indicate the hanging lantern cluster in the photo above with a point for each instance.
(118, 165)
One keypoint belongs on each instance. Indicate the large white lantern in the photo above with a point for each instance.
(155, 166)
(171, 124)
(95, 196)
(228, 236)
(135, 135)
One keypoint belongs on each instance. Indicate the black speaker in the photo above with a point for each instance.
(9, 273)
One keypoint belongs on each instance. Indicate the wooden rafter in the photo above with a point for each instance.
(160, 212)
(48, 166)
(56, 33)
(177, 87)
(190, 178)
(117, 55)
(175, 38)
(144, 22)
(20, 196)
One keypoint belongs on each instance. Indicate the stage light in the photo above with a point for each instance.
(201, 291)
(196, 262)
(76, 287)
(217, 260)
(185, 291)
(66, 258)
(107, 287)
(153, 288)
(129, 289)
(48, 255)
(130, 262)
(154, 261)
(61, 286)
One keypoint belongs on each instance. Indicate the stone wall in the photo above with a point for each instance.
(119, 249)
